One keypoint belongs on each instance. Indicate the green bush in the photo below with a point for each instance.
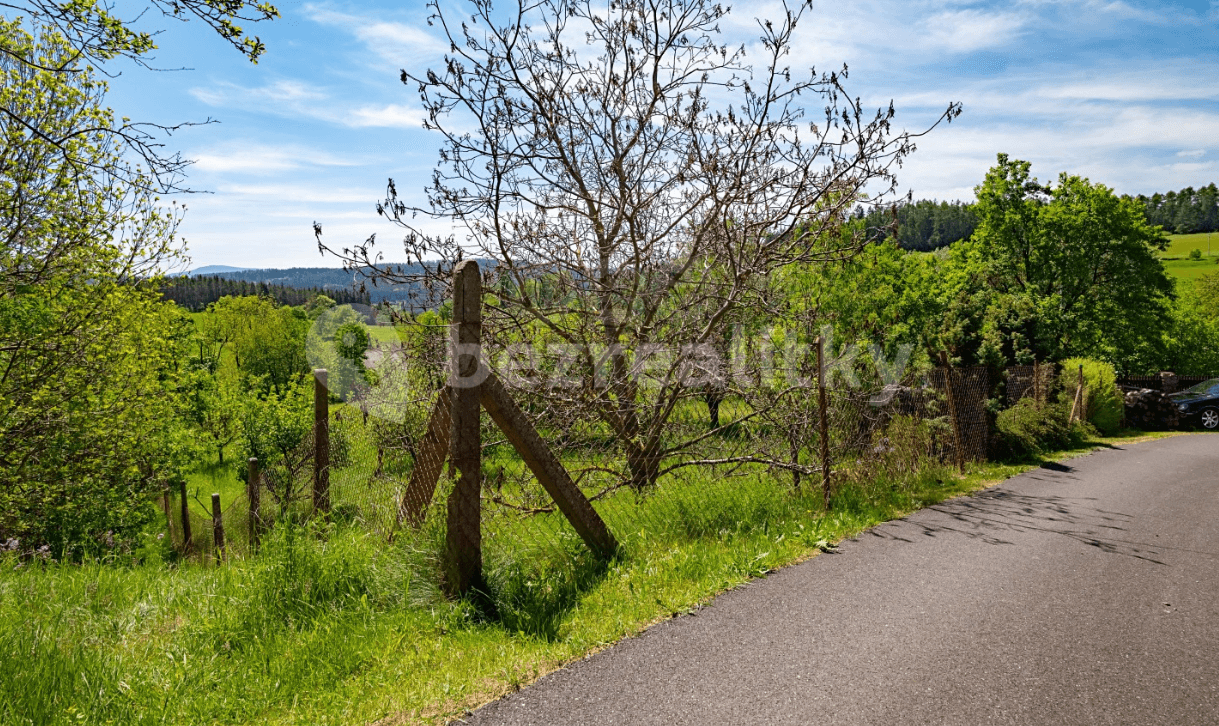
(1027, 429)
(1102, 401)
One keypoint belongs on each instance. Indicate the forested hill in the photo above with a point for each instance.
(923, 225)
(1185, 212)
(329, 279)
(196, 293)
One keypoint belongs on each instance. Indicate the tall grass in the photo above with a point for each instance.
(328, 624)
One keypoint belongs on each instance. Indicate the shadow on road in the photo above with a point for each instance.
(995, 516)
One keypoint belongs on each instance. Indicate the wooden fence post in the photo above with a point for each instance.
(186, 534)
(168, 508)
(958, 442)
(823, 422)
(1077, 404)
(253, 492)
(464, 531)
(217, 528)
(321, 442)
(1036, 383)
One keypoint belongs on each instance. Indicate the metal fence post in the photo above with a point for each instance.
(321, 442)
(464, 531)
(823, 422)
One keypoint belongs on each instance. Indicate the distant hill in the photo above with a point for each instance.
(196, 292)
(325, 278)
(214, 269)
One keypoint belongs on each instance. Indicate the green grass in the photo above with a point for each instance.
(383, 334)
(1180, 245)
(335, 626)
(1176, 257)
(1186, 270)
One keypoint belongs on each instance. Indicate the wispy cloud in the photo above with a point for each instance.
(399, 44)
(296, 99)
(969, 30)
(253, 158)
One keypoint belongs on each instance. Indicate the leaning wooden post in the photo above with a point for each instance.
(253, 492)
(186, 536)
(823, 423)
(321, 442)
(463, 566)
(217, 528)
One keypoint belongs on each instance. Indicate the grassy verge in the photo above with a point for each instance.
(335, 627)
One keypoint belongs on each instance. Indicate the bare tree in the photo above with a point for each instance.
(634, 181)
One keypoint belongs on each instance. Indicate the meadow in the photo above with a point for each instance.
(330, 624)
(1178, 263)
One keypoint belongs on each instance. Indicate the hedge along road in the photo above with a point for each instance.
(1083, 593)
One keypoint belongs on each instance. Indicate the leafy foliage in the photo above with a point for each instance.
(1060, 270)
(1028, 429)
(1184, 212)
(1102, 401)
(86, 347)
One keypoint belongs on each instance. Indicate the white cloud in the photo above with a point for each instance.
(1195, 153)
(396, 43)
(970, 30)
(390, 116)
(296, 99)
(262, 159)
(285, 93)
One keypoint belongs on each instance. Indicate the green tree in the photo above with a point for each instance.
(93, 35)
(1071, 267)
(87, 407)
(268, 340)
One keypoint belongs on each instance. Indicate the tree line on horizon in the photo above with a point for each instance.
(196, 293)
(1188, 211)
(925, 224)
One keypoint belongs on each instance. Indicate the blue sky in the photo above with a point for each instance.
(1125, 93)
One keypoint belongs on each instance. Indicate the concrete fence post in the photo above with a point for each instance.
(463, 567)
(823, 424)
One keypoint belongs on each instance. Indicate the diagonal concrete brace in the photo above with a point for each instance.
(548, 470)
(429, 461)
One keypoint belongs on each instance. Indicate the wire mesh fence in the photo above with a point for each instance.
(515, 458)
(721, 457)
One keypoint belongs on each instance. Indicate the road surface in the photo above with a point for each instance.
(1081, 593)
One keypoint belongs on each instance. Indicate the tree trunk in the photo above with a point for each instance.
(643, 465)
(713, 397)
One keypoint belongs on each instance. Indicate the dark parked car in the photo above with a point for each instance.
(1199, 405)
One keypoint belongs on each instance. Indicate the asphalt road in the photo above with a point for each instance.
(1085, 593)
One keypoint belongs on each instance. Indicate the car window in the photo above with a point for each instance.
(1205, 388)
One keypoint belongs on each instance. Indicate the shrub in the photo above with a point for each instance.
(1195, 254)
(1027, 429)
(1103, 404)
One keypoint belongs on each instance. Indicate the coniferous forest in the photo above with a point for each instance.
(1185, 212)
(196, 293)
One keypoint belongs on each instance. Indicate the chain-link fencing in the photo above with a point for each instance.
(653, 461)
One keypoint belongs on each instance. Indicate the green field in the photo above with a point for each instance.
(1182, 244)
(1176, 257)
